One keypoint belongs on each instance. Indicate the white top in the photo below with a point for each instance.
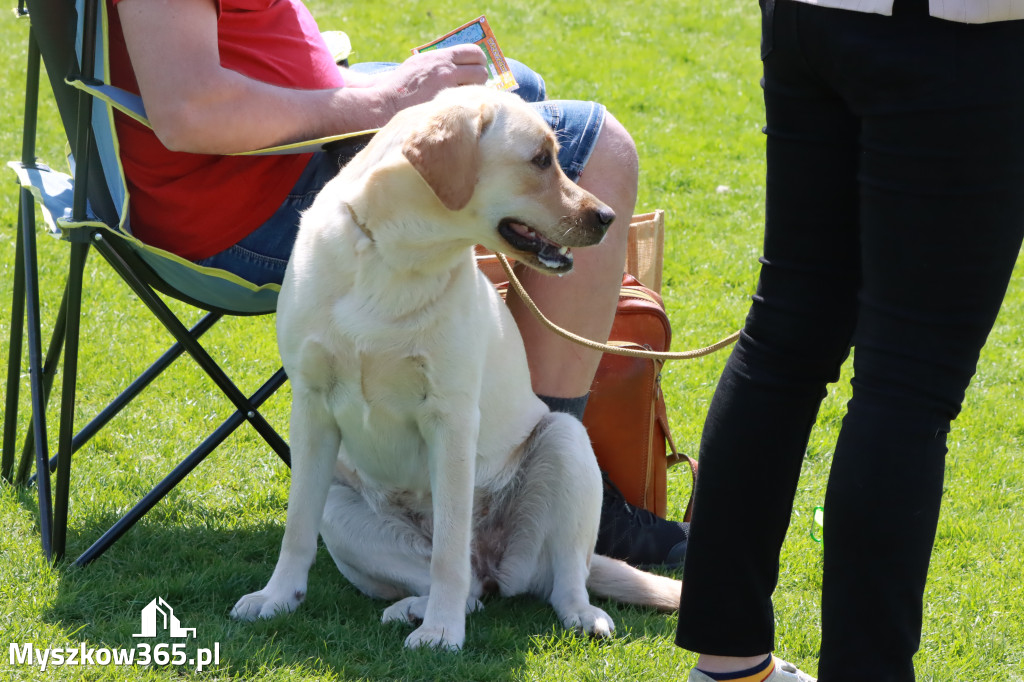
(964, 11)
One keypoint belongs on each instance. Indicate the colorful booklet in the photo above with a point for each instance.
(478, 32)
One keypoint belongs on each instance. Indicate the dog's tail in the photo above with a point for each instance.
(614, 579)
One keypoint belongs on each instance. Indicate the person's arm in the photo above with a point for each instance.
(196, 105)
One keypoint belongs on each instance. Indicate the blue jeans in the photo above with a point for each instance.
(894, 216)
(262, 256)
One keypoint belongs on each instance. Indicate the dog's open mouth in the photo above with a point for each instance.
(523, 238)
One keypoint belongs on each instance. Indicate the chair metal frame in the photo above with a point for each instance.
(49, 31)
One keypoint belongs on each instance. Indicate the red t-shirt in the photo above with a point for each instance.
(196, 205)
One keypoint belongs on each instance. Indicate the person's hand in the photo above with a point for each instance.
(425, 74)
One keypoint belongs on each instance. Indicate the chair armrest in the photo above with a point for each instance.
(131, 105)
(127, 103)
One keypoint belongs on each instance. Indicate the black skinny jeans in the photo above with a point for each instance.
(894, 217)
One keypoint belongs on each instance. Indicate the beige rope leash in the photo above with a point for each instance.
(604, 347)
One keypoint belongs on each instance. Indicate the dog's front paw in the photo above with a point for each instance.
(435, 637)
(591, 620)
(266, 604)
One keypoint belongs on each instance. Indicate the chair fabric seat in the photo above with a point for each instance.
(214, 288)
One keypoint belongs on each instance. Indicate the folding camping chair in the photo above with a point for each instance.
(88, 210)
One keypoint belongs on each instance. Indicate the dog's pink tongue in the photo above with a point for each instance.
(522, 230)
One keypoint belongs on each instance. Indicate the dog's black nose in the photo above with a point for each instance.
(605, 217)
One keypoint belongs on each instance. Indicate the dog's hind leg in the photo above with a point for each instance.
(413, 609)
(556, 508)
(385, 556)
(315, 442)
(576, 510)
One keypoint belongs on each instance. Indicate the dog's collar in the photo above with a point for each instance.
(357, 221)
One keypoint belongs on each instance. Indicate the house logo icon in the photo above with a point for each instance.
(160, 612)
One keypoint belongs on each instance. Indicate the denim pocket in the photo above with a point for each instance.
(767, 26)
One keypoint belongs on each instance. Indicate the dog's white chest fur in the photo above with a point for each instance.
(378, 400)
(390, 375)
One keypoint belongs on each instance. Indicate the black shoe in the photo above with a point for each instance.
(637, 536)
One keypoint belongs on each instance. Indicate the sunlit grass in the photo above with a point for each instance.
(683, 78)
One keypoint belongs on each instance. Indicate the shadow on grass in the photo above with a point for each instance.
(201, 570)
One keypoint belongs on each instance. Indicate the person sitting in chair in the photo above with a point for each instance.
(219, 77)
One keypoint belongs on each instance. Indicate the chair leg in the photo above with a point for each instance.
(14, 360)
(73, 312)
(50, 365)
(198, 353)
(137, 386)
(132, 391)
(179, 473)
(26, 221)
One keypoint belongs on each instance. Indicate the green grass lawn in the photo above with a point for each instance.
(683, 77)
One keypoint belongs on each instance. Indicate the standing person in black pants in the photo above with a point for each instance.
(894, 217)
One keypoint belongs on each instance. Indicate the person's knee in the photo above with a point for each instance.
(612, 173)
(615, 147)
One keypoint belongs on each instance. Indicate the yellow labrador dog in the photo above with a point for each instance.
(420, 452)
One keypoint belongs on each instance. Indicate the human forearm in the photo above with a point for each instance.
(226, 112)
(235, 114)
(196, 104)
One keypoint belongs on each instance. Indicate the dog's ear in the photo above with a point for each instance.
(445, 151)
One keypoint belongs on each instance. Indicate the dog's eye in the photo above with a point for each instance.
(542, 160)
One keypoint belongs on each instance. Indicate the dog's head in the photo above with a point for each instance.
(492, 163)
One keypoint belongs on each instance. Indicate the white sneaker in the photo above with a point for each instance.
(783, 672)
